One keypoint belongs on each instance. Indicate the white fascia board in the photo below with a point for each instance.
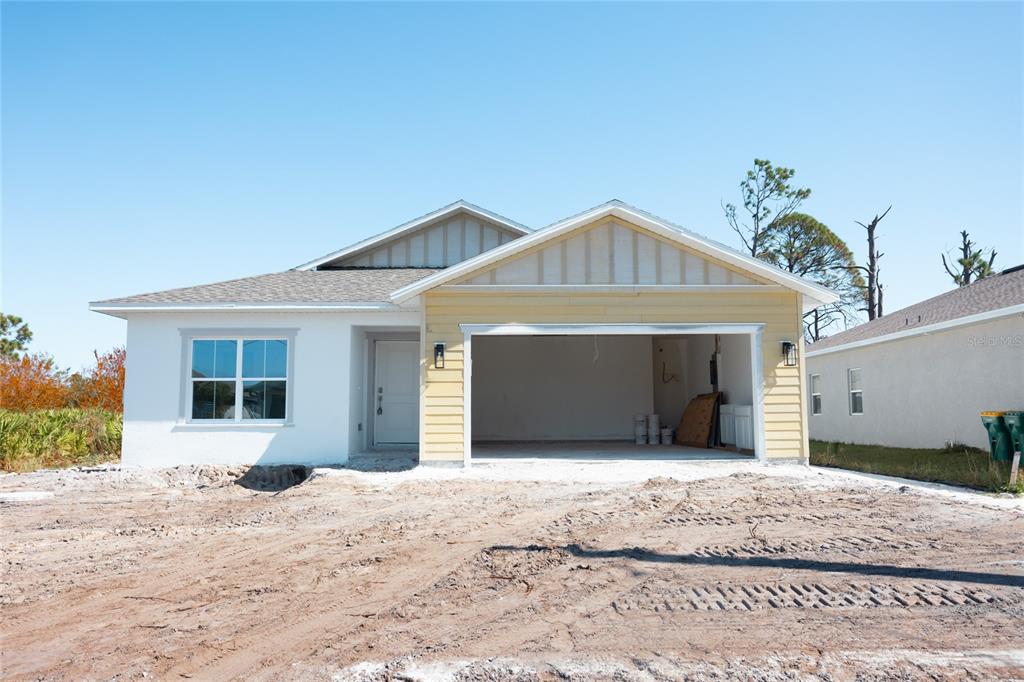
(819, 294)
(119, 309)
(922, 331)
(611, 288)
(439, 214)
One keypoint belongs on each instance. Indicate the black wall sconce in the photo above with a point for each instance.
(438, 356)
(789, 353)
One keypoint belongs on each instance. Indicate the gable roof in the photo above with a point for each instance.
(460, 206)
(816, 293)
(364, 287)
(996, 295)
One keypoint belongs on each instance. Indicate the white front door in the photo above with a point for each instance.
(396, 396)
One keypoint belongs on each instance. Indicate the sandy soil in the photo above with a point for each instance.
(507, 572)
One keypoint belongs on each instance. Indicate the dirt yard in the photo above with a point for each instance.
(508, 572)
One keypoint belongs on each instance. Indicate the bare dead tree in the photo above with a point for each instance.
(873, 289)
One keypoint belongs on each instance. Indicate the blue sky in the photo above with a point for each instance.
(156, 145)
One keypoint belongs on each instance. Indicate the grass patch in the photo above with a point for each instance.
(44, 439)
(956, 465)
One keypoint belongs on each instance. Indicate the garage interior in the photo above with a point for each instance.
(577, 396)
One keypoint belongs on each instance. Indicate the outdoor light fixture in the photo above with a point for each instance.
(438, 356)
(789, 353)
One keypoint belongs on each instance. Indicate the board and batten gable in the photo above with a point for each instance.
(439, 244)
(611, 252)
(480, 298)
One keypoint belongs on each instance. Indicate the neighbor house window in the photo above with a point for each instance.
(238, 379)
(815, 394)
(856, 392)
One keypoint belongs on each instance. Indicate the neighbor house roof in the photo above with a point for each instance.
(315, 288)
(815, 293)
(993, 296)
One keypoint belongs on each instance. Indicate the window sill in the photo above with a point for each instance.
(231, 426)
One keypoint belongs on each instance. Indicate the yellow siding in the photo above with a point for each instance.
(444, 310)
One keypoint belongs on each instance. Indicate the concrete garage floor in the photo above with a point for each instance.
(599, 451)
(404, 459)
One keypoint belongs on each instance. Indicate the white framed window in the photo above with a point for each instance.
(237, 378)
(815, 383)
(856, 391)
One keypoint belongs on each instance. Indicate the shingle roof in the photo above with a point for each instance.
(992, 293)
(368, 285)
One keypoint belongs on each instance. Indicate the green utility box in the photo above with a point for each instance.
(998, 436)
(1014, 421)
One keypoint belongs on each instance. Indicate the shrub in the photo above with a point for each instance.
(32, 382)
(58, 438)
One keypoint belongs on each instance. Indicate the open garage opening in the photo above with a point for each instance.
(577, 395)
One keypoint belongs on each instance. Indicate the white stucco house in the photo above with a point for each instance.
(462, 329)
(919, 377)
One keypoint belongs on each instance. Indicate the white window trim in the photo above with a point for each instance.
(811, 392)
(850, 391)
(239, 336)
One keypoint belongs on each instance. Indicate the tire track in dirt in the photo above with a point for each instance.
(530, 584)
(816, 595)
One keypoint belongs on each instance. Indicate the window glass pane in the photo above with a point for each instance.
(857, 403)
(203, 398)
(254, 395)
(224, 407)
(252, 358)
(226, 355)
(816, 404)
(213, 400)
(277, 358)
(263, 399)
(855, 380)
(815, 381)
(276, 394)
(202, 359)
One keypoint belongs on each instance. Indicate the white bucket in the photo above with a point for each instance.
(641, 438)
(640, 420)
(666, 436)
(653, 423)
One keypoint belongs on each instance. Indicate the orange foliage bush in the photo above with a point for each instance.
(103, 386)
(33, 382)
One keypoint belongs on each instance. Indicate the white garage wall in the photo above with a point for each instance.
(322, 431)
(671, 368)
(551, 388)
(734, 369)
(686, 360)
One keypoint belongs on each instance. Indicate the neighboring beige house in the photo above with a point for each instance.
(919, 377)
(462, 329)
